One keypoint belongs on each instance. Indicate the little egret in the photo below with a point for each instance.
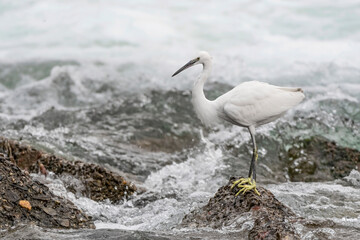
(250, 104)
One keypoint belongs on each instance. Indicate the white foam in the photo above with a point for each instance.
(247, 39)
(354, 178)
(192, 181)
(196, 174)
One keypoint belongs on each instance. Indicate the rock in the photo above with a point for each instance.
(96, 182)
(270, 218)
(49, 211)
(172, 128)
(318, 159)
(64, 223)
(11, 196)
(166, 143)
(25, 204)
(37, 204)
(7, 207)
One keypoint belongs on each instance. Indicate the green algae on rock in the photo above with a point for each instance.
(318, 159)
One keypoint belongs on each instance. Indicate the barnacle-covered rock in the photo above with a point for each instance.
(318, 159)
(97, 182)
(265, 216)
(24, 201)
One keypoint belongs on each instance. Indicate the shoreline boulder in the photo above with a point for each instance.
(24, 201)
(267, 218)
(97, 182)
(319, 159)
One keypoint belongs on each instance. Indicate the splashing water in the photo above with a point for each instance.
(91, 81)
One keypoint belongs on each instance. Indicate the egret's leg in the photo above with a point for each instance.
(252, 170)
(246, 184)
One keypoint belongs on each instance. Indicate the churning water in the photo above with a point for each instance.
(90, 80)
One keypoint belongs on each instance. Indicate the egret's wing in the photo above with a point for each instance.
(256, 103)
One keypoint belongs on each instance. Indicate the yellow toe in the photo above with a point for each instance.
(245, 184)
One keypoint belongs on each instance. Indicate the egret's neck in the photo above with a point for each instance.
(198, 88)
(203, 107)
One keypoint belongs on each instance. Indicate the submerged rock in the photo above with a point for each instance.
(90, 180)
(265, 216)
(170, 131)
(318, 159)
(24, 201)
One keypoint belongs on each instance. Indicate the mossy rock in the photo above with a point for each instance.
(319, 159)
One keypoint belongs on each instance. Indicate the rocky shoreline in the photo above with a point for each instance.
(94, 181)
(45, 209)
(23, 200)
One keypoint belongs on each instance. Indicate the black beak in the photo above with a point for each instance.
(189, 64)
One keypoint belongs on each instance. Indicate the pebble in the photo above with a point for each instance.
(25, 204)
(49, 211)
(7, 207)
(64, 222)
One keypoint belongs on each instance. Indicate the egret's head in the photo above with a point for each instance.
(203, 58)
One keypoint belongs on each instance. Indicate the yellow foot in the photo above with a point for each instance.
(245, 184)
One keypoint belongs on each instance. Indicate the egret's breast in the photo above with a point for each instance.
(206, 111)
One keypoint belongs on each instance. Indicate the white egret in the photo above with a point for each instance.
(250, 104)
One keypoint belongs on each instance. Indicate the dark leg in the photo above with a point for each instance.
(252, 171)
(247, 184)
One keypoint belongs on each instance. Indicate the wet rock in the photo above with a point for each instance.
(25, 204)
(49, 211)
(11, 196)
(64, 223)
(37, 204)
(266, 217)
(166, 143)
(96, 182)
(318, 159)
(54, 118)
(172, 128)
(6, 206)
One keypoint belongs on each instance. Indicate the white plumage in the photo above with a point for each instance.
(250, 104)
(256, 103)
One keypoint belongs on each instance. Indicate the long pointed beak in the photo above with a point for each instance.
(189, 64)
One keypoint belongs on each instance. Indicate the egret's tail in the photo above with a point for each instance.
(289, 89)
